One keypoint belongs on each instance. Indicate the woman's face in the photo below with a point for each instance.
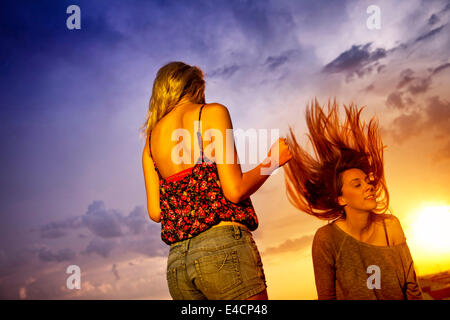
(357, 191)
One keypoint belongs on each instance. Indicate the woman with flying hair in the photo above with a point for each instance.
(205, 209)
(362, 254)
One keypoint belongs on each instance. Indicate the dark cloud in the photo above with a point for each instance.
(137, 220)
(115, 271)
(53, 234)
(433, 116)
(430, 34)
(419, 86)
(406, 126)
(149, 245)
(394, 100)
(111, 230)
(291, 245)
(57, 229)
(440, 68)
(356, 60)
(405, 78)
(48, 255)
(438, 115)
(100, 246)
(101, 222)
(433, 19)
(223, 72)
(13, 259)
(410, 86)
(380, 68)
(274, 62)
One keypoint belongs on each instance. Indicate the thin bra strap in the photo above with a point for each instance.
(199, 132)
(150, 148)
(385, 232)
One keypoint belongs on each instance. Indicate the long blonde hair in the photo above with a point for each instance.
(173, 81)
(314, 183)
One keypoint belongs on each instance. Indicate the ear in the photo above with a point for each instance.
(341, 201)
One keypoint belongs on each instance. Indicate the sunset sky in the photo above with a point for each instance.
(72, 101)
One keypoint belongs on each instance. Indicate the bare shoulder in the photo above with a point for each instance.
(394, 229)
(215, 108)
(216, 115)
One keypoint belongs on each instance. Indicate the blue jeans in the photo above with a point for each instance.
(221, 263)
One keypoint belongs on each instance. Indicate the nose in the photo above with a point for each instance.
(369, 187)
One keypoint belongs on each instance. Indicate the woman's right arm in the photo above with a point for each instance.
(151, 180)
(324, 267)
(238, 186)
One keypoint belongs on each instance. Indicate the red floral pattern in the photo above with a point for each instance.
(196, 202)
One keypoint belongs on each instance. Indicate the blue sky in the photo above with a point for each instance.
(72, 189)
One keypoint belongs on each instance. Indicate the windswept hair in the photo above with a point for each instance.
(314, 183)
(173, 81)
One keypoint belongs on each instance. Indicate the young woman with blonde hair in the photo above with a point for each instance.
(205, 211)
(362, 253)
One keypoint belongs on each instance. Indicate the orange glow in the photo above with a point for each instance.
(428, 236)
(430, 229)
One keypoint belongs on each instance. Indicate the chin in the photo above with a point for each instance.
(372, 205)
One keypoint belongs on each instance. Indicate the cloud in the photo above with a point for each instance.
(223, 72)
(101, 222)
(274, 62)
(355, 60)
(409, 86)
(108, 231)
(137, 220)
(115, 271)
(394, 100)
(430, 34)
(48, 255)
(58, 229)
(12, 259)
(100, 246)
(405, 78)
(433, 19)
(406, 126)
(438, 113)
(440, 68)
(419, 86)
(291, 245)
(433, 116)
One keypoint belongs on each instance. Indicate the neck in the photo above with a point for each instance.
(183, 101)
(356, 221)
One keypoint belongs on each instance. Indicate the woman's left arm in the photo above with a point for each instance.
(411, 287)
(151, 184)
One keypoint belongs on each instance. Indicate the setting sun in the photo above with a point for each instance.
(428, 235)
(430, 229)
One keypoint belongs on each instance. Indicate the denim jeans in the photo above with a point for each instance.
(221, 263)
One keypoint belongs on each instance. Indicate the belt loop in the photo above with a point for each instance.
(237, 232)
(188, 242)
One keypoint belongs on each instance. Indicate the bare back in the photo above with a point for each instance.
(162, 146)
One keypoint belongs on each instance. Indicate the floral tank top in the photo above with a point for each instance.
(192, 201)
